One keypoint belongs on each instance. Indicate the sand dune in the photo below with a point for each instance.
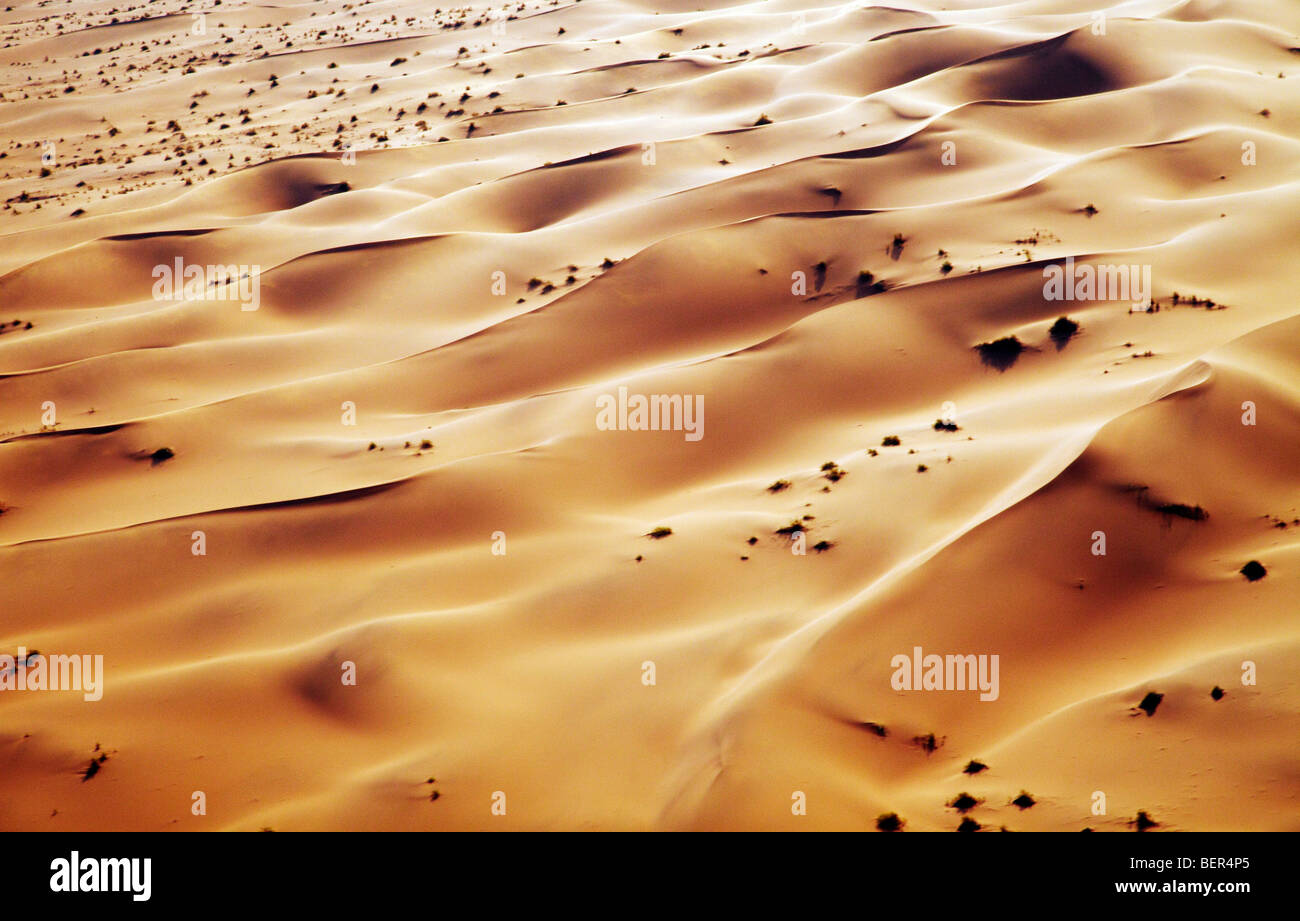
(448, 236)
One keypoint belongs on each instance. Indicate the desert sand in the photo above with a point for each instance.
(461, 228)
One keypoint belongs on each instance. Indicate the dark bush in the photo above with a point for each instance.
(1000, 353)
(890, 821)
(1254, 571)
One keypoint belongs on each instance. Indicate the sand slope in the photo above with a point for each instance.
(676, 201)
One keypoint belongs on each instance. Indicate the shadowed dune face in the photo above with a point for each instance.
(967, 332)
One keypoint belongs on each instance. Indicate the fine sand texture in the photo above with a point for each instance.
(325, 329)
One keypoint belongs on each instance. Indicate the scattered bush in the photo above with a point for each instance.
(928, 743)
(890, 821)
(1190, 512)
(1150, 703)
(964, 802)
(1062, 330)
(832, 471)
(867, 284)
(1000, 353)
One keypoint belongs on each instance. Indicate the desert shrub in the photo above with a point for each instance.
(963, 802)
(1254, 571)
(890, 821)
(928, 743)
(1062, 330)
(1000, 353)
(1190, 512)
(1150, 702)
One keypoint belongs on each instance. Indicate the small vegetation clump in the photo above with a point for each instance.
(1150, 702)
(968, 825)
(832, 471)
(975, 767)
(867, 284)
(1144, 821)
(1000, 353)
(97, 759)
(928, 743)
(778, 486)
(1217, 692)
(875, 729)
(1062, 330)
(1190, 512)
(890, 821)
(762, 119)
(944, 425)
(793, 527)
(1024, 800)
(659, 533)
(963, 802)
(891, 441)
(1254, 571)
